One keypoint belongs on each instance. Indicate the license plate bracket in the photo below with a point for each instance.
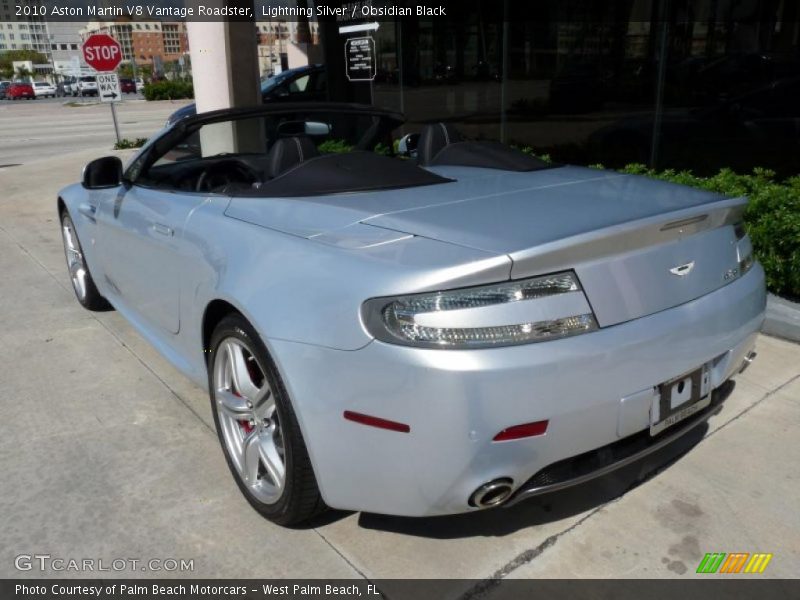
(680, 398)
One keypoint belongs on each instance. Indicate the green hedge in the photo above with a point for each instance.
(772, 218)
(126, 144)
(168, 90)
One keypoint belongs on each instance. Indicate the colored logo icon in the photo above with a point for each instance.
(736, 562)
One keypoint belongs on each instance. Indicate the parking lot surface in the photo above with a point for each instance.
(107, 452)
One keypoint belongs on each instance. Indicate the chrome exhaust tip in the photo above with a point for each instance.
(493, 493)
(747, 361)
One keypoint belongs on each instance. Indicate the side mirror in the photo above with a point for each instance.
(102, 173)
(408, 145)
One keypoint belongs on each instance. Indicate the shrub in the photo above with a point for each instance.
(772, 218)
(125, 143)
(168, 90)
(335, 147)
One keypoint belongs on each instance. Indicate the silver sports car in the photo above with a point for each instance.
(409, 322)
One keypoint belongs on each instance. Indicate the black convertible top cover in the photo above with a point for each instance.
(341, 173)
(487, 155)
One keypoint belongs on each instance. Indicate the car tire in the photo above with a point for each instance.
(257, 426)
(82, 283)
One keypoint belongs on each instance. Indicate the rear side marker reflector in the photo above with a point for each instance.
(376, 422)
(521, 431)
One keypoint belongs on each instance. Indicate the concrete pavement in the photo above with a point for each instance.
(33, 130)
(106, 451)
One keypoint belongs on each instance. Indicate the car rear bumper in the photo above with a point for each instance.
(594, 390)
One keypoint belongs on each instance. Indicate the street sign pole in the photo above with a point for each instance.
(116, 125)
(108, 89)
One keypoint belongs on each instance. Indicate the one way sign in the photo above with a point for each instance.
(108, 87)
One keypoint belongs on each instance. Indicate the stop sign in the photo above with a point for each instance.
(102, 52)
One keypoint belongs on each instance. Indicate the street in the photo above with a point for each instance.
(32, 130)
(106, 451)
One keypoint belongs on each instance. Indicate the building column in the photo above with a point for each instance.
(224, 60)
(225, 75)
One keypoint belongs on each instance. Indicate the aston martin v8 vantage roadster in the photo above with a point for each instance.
(410, 322)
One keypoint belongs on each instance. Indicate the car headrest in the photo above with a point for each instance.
(287, 153)
(433, 139)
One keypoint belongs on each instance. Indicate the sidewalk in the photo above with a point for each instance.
(106, 451)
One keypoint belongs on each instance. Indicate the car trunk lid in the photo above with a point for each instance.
(623, 235)
(639, 246)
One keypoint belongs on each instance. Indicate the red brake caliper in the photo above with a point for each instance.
(243, 423)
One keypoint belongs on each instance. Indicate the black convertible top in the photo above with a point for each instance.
(340, 173)
(245, 112)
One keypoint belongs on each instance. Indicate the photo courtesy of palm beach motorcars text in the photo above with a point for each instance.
(399, 299)
(195, 590)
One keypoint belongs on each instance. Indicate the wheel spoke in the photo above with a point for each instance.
(264, 404)
(251, 458)
(235, 406)
(78, 274)
(272, 461)
(239, 373)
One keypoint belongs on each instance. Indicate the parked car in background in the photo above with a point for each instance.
(139, 84)
(127, 86)
(439, 332)
(4, 85)
(86, 86)
(302, 84)
(43, 89)
(18, 91)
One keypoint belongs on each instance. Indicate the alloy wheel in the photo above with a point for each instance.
(249, 420)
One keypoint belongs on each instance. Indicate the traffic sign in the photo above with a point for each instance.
(359, 54)
(102, 52)
(108, 87)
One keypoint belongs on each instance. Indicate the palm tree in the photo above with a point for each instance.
(23, 73)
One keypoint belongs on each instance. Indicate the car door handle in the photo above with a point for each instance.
(163, 229)
(89, 211)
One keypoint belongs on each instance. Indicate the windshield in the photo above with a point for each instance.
(302, 150)
(276, 80)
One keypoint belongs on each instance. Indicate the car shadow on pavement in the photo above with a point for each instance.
(546, 508)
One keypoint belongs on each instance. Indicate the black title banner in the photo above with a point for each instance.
(339, 10)
(694, 588)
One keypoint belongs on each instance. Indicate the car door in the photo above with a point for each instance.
(141, 245)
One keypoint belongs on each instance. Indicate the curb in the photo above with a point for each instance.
(783, 318)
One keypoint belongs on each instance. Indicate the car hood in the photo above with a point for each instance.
(485, 209)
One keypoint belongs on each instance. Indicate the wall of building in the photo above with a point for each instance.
(699, 84)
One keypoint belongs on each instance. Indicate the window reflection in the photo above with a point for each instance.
(699, 84)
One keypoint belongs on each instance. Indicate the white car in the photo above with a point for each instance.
(85, 86)
(139, 85)
(42, 89)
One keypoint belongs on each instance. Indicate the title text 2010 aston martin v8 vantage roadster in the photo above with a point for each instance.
(443, 327)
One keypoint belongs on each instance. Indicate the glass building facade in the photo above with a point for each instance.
(685, 84)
